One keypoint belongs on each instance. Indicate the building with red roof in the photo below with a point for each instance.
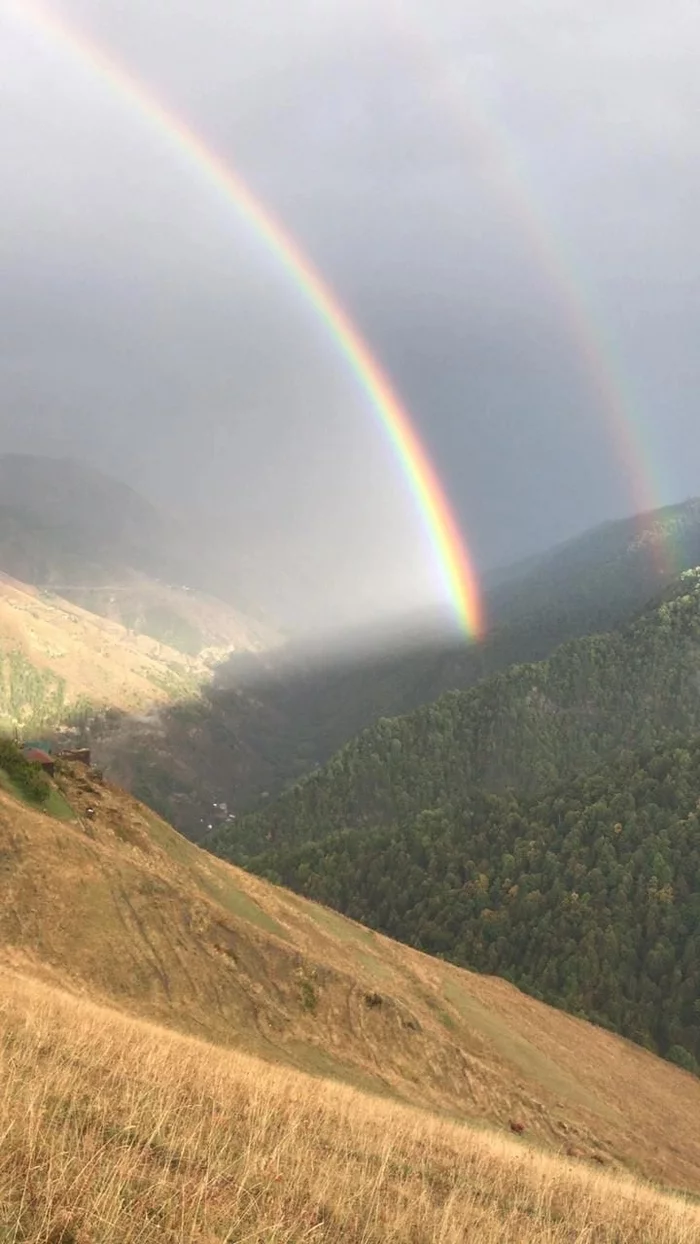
(36, 756)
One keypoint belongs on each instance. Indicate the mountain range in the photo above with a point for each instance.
(139, 643)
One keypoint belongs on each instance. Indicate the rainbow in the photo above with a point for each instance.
(610, 387)
(447, 542)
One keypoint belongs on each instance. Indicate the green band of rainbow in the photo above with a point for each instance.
(445, 537)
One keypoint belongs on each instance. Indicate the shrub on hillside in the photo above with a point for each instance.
(683, 1058)
(27, 777)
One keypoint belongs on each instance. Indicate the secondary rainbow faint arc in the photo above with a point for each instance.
(586, 331)
(447, 541)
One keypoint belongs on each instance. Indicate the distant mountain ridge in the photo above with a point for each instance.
(59, 518)
(622, 562)
(79, 534)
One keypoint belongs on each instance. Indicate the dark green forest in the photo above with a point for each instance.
(525, 728)
(587, 896)
(543, 825)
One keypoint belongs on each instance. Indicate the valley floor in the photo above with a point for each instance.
(116, 1131)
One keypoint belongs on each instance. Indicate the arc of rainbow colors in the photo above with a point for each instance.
(446, 539)
(586, 333)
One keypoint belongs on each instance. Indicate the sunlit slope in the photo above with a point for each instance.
(56, 658)
(119, 1131)
(117, 905)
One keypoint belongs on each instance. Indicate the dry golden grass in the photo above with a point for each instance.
(115, 1131)
(121, 909)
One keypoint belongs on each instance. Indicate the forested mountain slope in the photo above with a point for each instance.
(524, 728)
(586, 895)
(543, 825)
(600, 579)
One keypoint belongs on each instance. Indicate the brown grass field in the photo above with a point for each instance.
(189, 1053)
(114, 1131)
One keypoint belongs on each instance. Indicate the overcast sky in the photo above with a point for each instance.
(475, 181)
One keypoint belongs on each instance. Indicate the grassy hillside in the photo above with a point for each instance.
(60, 662)
(57, 659)
(116, 1131)
(117, 904)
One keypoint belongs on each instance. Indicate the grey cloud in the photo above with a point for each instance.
(408, 148)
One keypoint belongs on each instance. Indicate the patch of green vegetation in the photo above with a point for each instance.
(376, 966)
(517, 1049)
(341, 928)
(683, 1058)
(319, 1062)
(53, 801)
(177, 847)
(29, 697)
(58, 806)
(152, 782)
(216, 885)
(447, 1020)
(173, 685)
(309, 997)
(167, 626)
(225, 893)
(24, 780)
